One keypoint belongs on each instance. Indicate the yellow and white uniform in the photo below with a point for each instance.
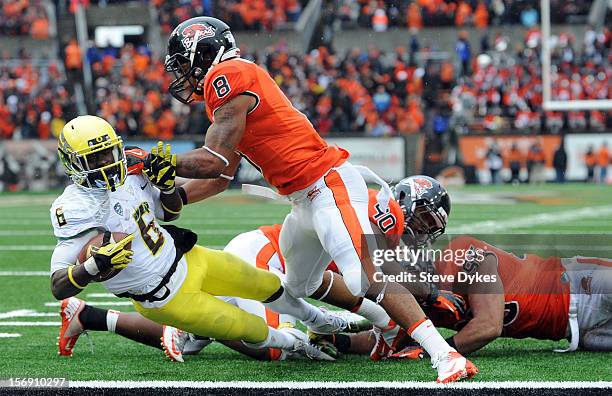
(201, 274)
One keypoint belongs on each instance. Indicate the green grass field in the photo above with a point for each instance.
(26, 242)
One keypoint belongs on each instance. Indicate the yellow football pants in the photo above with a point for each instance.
(216, 273)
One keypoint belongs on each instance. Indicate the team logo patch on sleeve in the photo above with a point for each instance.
(189, 34)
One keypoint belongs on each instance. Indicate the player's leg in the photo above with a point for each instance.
(198, 312)
(340, 217)
(224, 274)
(591, 288)
(78, 316)
(255, 249)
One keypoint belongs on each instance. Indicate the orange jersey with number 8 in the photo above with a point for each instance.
(278, 139)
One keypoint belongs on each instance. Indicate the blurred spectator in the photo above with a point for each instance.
(464, 52)
(73, 60)
(603, 160)
(590, 160)
(529, 16)
(560, 162)
(481, 15)
(515, 160)
(380, 21)
(536, 160)
(494, 162)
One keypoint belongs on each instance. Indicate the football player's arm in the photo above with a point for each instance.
(64, 257)
(199, 189)
(171, 204)
(220, 143)
(487, 305)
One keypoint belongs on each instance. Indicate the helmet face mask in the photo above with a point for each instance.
(425, 222)
(426, 206)
(92, 154)
(186, 78)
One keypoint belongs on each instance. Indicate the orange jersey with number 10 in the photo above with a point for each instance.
(278, 139)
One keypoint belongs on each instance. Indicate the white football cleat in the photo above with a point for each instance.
(173, 341)
(195, 344)
(71, 327)
(303, 347)
(452, 366)
(339, 321)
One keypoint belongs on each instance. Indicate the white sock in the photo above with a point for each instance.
(298, 308)
(275, 339)
(428, 337)
(111, 320)
(374, 313)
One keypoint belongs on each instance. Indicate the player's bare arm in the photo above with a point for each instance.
(62, 287)
(220, 143)
(487, 305)
(196, 190)
(172, 205)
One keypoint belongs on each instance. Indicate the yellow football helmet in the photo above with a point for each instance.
(92, 153)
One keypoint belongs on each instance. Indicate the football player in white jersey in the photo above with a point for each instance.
(169, 278)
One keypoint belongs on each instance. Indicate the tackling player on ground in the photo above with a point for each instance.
(252, 118)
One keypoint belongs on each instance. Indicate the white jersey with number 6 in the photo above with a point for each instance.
(80, 213)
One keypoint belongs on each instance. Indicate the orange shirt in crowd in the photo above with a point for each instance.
(413, 16)
(603, 156)
(514, 156)
(590, 159)
(463, 13)
(481, 16)
(536, 156)
(73, 55)
(40, 29)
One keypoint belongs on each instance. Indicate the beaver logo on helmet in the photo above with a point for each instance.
(421, 185)
(189, 34)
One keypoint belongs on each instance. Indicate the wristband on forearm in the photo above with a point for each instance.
(91, 267)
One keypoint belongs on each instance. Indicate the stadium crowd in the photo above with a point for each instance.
(241, 15)
(22, 18)
(35, 100)
(479, 13)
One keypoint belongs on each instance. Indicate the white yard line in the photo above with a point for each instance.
(19, 248)
(531, 220)
(24, 273)
(100, 295)
(25, 313)
(340, 385)
(9, 335)
(97, 303)
(29, 324)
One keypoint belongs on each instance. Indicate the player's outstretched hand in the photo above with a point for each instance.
(113, 255)
(448, 302)
(160, 167)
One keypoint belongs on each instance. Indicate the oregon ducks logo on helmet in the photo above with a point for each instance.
(92, 153)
